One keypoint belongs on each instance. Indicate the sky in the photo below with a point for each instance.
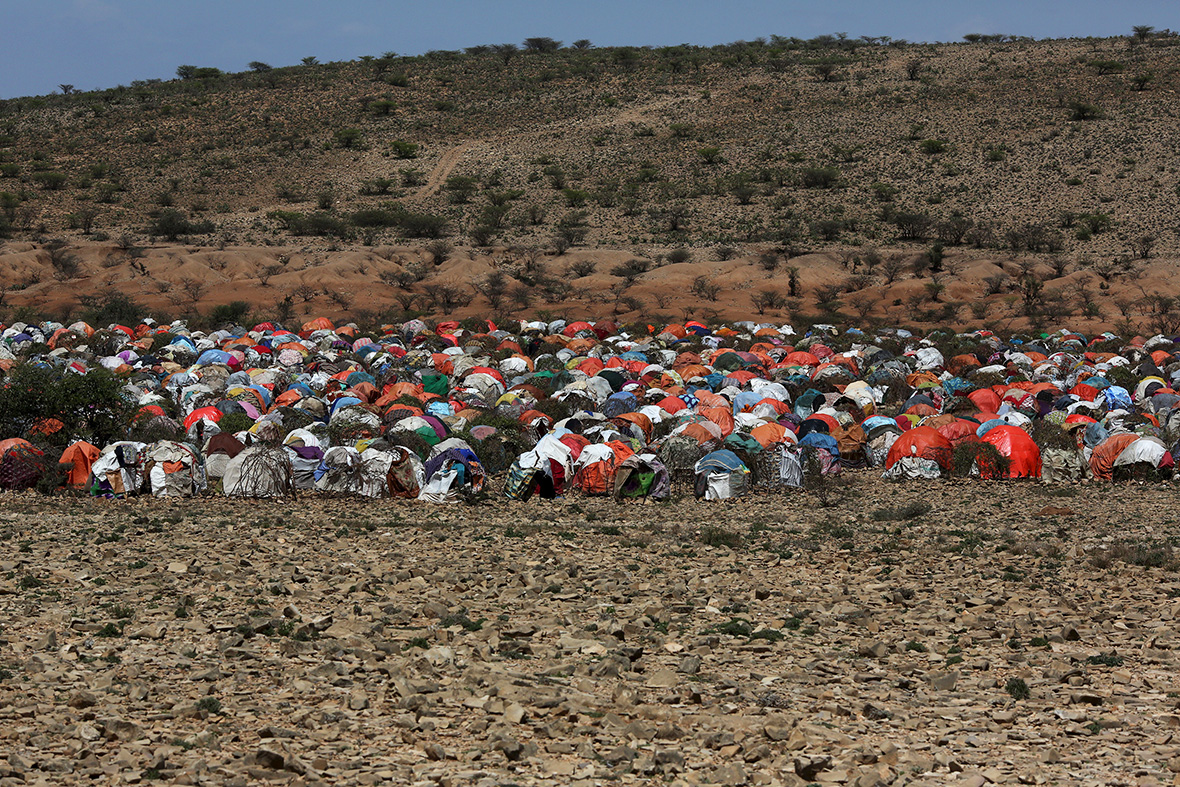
(94, 44)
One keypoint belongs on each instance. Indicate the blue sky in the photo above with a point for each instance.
(103, 43)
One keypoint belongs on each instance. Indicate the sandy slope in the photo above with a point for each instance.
(341, 283)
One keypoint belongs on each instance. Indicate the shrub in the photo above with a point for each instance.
(711, 155)
(1081, 110)
(819, 177)
(320, 223)
(984, 456)
(423, 225)
(403, 150)
(90, 405)
(197, 72)
(717, 536)
(376, 217)
(348, 138)
(172, 223)
(51, 181)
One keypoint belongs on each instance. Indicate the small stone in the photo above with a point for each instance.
(732, 775)
(558, 767)
(82, 699)
(944, 681)
(662, 679)
(807, 768)
(1086, 698)
(874, 650)
(269, 758)
(689, 665)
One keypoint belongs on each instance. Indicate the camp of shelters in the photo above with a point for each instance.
(449, 411)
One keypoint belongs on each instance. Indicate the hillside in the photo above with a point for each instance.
(858, 164)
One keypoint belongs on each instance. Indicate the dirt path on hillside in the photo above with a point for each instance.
(442, 170)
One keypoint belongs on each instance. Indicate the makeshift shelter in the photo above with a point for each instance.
(174, 469)
(259, 471)
(1106, 453)
(720, 475)
(1024, 457)
(119, 470)
(345, 470)
(22, 464)
(597, 465)
(79, 456)
(642, 476)
(920, 452)
(219, 449)
(451, 472)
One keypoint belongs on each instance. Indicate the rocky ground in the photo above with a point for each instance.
(934, 633)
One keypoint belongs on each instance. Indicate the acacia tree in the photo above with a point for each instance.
(1142, 32)
(542, 44)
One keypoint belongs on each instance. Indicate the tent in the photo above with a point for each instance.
(259, 471)
(219, 449)
(642, 476)
(1024, 457)
(118, 470)
(79, 456)
(174, 469)
(345, 470)
(920, 452)
(597, 465)
(22, 464)
(720, 475)
(452, 471)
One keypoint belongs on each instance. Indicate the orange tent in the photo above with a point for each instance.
(639, 419)
(672, 404)
(924, 442)
(1102, 459)
(710, 399)
(769, 433)
(80, 456)
(700, 433)
(722, 416)
(318, 324)
(800, 358)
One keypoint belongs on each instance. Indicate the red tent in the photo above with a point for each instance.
(1024, 456)
(921, 441)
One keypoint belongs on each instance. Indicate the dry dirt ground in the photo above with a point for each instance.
(1011, 633)
(348, 284)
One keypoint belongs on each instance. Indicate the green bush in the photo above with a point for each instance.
(172, 223)
(321, 223)
(348, 138)
(424, 225)
(819, 177)
(404, 150)
(51, 181)
(985, 456)
(235, 422)
(90, 406)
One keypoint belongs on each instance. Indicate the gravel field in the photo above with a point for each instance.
(949, 632)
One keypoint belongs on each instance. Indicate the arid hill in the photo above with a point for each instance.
(1005, 181)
